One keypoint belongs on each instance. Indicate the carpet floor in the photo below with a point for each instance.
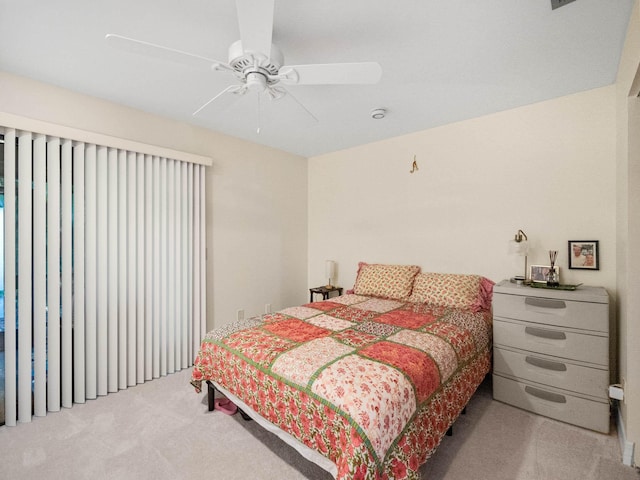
(162, 430)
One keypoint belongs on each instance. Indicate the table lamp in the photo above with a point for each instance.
(329, 271)
(520, 246)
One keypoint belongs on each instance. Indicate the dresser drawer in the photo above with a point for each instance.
(553, 311)
(551, 341)
(551, 371)
(553, 403)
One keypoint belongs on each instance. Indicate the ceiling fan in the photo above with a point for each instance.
(257, 64)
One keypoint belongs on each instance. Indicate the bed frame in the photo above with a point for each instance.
(211, 394)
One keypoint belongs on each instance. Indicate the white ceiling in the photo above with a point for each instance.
(443, 61)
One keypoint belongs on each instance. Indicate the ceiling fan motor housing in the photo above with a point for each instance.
(246, 63)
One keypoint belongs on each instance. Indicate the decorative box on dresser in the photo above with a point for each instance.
(551, 352)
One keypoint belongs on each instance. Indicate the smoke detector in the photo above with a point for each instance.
(378, 113)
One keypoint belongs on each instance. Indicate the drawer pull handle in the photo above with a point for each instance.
(544, 395)
(543, 333)
(544, 302)
(546, 364)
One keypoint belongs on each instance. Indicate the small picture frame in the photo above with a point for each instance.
(539, 273)
(584, 255)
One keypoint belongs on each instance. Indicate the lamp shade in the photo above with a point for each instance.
(519, 248)
(329, 269)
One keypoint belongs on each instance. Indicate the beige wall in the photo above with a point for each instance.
(256, 196)
(628, 229)
(547, 168)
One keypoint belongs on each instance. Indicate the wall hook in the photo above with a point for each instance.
(414, 166)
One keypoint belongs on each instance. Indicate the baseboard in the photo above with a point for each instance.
(626, 447)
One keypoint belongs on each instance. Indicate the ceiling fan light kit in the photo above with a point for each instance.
(257, 63)
(256, 81)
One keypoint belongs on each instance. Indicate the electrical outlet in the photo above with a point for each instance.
(267, 308)
(240, 315)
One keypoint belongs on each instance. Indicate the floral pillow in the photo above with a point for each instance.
(386, 281)
(453, 290)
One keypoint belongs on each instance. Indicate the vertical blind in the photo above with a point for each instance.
(104, 278)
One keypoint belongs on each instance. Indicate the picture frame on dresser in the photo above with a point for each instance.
(539, 273)
(584, 254)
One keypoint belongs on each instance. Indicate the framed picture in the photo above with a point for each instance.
(584, 254)
(539, 273)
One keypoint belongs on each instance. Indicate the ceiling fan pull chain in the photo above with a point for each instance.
(258, 113)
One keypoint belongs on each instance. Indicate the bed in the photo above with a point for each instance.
(365, 384)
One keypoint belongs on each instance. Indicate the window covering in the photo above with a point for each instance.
(104, 254)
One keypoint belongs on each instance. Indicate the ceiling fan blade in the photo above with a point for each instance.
(255, 19)
(224, 99)
(331, 74)
(309, 117)
(158, 51)
(275, 108)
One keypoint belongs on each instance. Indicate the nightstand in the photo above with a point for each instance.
(551, 352)
(324, 291)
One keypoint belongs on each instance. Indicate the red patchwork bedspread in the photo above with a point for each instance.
(372, 384)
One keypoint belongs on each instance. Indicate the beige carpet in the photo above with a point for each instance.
(162, 430)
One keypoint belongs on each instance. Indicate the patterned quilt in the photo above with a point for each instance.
(371, 384)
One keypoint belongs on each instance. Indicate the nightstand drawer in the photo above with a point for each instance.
(553, 311)
(551, 341)
(553, 403)
(551, 371)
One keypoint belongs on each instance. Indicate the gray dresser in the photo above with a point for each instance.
(551, 352)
